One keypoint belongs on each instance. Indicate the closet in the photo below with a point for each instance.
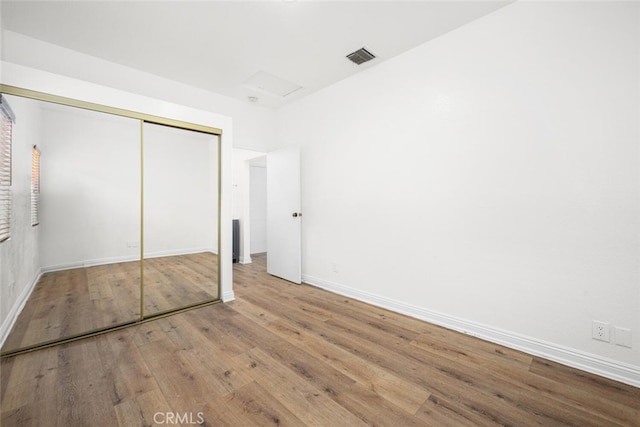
(129, 218)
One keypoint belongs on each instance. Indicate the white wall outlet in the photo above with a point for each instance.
(132, 244)
(334, 267)
(623, 337)
(600, 331)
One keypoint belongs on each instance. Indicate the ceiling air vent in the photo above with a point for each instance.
(360, 56)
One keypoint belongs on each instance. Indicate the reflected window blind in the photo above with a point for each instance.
(35, 186)
(6, 128)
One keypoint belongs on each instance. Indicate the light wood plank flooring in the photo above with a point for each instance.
(289, 355)
(70, 302)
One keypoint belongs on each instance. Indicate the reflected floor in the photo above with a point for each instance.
(177, 281)
(75, 301)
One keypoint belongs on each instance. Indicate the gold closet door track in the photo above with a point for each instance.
(41, 96)
(101, 331)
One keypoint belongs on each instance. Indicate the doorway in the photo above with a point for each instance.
(266, 201)
(258, 205)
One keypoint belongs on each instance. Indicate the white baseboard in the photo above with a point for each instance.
(176, 252)
(245, 260)
(124, 258)
(15, 311)
(619, 371)
(228, 296)
(90, 263)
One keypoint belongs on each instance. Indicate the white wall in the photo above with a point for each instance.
(19, 260)
(90, 188)
(253, 126)
(488, 180)
(258, 208)
(180, 191)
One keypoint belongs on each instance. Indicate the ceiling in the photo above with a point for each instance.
(220, 45)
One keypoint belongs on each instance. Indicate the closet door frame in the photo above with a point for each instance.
(143, 118)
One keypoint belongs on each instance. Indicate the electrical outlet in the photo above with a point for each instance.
(623, 337)
(132, 244)
(600, 331)
(334, 267)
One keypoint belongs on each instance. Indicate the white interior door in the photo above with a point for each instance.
(283, 214)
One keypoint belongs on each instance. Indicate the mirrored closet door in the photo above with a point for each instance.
(128, 219)
(88, 233)
(180, 218)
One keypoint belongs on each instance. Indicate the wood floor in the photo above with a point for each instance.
(289, 355)
(70, 302)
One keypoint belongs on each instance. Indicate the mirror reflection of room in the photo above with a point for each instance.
(85, 241)
(180, 218)
(78, 268)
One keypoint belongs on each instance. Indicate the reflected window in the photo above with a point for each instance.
(35, 186)
(6, 128)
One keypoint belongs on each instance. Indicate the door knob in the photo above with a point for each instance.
(296, 214)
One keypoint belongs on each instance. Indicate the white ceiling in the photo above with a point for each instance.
(218, 45)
